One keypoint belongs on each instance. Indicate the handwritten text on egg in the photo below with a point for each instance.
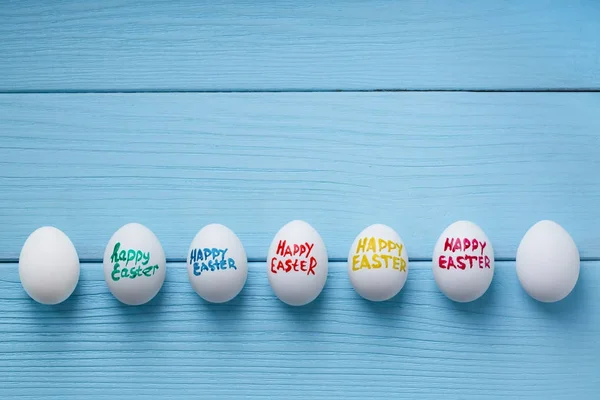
(294, 258)
(134, 256)
(212, 260)
(464, 261)
(376, 259)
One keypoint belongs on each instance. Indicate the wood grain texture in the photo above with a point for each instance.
(290, 45)
(417, 346)
(341, 161)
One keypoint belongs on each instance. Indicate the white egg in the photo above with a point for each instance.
(378, 263)
(463, 262)
(134, 264)
(547, 262)
(217, 264)
(297, 263)
(49, 266)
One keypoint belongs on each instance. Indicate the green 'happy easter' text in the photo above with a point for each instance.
(138, 258)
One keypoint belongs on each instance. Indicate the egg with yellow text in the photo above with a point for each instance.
(463, 262)
(378, 263)
(297, 263)
(49, 266)
(134, 264)
(547, 262)
(217, 264)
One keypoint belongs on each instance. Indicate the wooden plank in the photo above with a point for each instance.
(292, 45)
(341, 161)
(417, 346)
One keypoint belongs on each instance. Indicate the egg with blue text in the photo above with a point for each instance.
(378, 263)
(217, 264)
(547, 262)
(49, 266)
(297, 263)
(134, 264)
(463, 262)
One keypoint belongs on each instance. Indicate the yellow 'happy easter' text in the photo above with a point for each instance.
(368, 254)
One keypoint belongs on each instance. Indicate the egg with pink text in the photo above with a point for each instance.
(463, 262)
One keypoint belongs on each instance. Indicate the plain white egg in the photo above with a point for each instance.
(378, 263)
(463, 262)
(297, 263)
(547, 262)
(134, 264)
(49, 266)
(217, 264)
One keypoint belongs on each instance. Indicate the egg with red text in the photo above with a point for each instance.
(463, 262)
(297, 263)
(378, 263)
(217, 264)
(547, 262)
(134, 264)
(49, 266)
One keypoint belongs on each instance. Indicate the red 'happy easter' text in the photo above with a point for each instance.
(464, 245)
(294, 258)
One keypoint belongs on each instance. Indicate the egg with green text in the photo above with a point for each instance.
(134, 264)
(217, 264)
(378, 263)
(547, 262)
(49, 266)
(463, 262)
(297, 263)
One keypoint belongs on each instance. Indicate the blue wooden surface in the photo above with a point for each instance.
(417, 346)
(300, 45)
(90, 162)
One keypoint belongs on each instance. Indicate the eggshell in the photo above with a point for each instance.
(548, 262)
(217, 264)
(134, 264)
(49, 266)
(378, 263)
(463, 262)
(297, 264)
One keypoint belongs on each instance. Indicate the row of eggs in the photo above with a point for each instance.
(547, 263)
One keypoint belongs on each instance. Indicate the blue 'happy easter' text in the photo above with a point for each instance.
(210, 259)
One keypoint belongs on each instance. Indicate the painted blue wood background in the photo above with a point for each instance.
(253, 113)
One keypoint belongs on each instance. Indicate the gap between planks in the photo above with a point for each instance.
(292, 90)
